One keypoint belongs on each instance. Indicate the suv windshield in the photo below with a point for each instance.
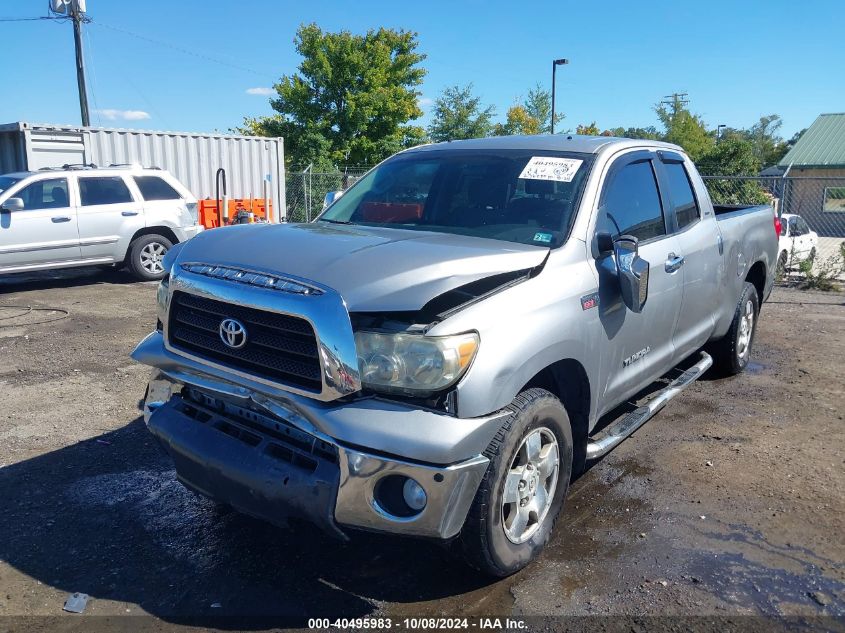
(7, 181)
(520, 196)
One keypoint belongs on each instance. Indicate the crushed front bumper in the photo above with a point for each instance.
(252, 454)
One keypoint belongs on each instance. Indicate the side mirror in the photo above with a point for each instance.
(331, 196)
(12, 204)
(632, 272)
(604, 244)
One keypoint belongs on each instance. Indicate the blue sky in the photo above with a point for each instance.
(191, 65)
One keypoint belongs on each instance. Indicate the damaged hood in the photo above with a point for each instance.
(373, 268)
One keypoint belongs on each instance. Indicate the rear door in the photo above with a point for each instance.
(109, 215)
(691, 219)
(163, 205)
(638, 347)
(45, 230)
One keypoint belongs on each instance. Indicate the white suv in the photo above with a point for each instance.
(79, 216)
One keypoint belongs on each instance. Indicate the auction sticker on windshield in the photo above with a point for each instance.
(551, 168)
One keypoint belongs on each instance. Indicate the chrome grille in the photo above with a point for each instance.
(279, 347)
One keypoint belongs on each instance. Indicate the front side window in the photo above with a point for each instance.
(45, 194)
(155, 188)
(521, 196)
(631, 203)
(681, 195)
(794, 229)
(103, 190)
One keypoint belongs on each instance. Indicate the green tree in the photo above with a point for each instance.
(768, 147)
(538, 104)
(351, 99)
(518, 121)
(588, 130)
(683, 128)
(732, 156)
(458, 114)
(649, 133)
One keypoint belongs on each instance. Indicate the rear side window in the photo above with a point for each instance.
(155, 188)
(103, 190)
(684, 205)
(631, 203)
(45, 194)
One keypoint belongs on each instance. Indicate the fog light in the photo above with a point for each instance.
(414, 495)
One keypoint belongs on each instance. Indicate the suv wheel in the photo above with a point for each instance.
(522, 493)
(145, 255)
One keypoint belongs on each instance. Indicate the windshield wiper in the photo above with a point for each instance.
(334, 221)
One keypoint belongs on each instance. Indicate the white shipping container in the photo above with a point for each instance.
(255, 166)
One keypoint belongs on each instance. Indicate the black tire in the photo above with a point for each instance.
(483, 541)
(780, 271)
(139, 256)
(731, 353)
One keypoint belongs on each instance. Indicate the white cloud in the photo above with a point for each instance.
(424, 102)
(125, 115)
(260, 91)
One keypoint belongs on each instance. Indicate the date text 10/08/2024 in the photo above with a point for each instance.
(417, 623)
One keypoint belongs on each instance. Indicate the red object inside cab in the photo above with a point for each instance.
(388, 212)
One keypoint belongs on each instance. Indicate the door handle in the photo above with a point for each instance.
(129, 213)
(60, 218)
(674, 262)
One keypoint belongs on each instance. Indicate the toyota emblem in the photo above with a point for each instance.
(232, 333)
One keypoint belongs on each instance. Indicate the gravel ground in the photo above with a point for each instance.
(731, 502)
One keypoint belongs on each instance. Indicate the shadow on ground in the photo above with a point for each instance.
(107, 517)
(64, 278)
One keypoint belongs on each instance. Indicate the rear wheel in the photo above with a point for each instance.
(145, 256)
(780, 271)
(732, 353)
(522, 493)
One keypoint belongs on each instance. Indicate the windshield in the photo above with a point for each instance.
(7, 181)
(520, 196)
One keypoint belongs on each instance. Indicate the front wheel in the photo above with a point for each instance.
(732, 353)
(522, 493)
(145, 256)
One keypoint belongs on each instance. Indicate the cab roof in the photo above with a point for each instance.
(555, 142)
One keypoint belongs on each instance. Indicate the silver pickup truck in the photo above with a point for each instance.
(431, 357)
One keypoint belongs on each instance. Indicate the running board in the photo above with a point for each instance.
(613, 435)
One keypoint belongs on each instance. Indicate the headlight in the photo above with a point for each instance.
(161, 298)
(412, 363)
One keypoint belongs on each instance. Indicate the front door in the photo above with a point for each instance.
(108, 216)
(637, 347)
(44, 231)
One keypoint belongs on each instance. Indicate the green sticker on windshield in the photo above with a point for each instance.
(546, 238)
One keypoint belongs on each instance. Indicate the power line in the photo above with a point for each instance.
(44, 17)
(182, 49)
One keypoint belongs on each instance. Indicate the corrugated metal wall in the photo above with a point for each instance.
(193, 158)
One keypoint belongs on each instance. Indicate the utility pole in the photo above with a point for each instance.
(75, 10)
(77, 16)
(676, 99)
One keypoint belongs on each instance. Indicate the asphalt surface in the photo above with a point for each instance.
(731, 502)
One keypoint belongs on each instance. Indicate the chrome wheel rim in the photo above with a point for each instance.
(746, 328)
(530, 485)
(151, 256)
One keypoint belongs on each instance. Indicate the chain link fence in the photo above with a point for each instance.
(305, 190)
(820, 203)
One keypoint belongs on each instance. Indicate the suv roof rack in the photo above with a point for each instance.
(138, 165)
(70, 166)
